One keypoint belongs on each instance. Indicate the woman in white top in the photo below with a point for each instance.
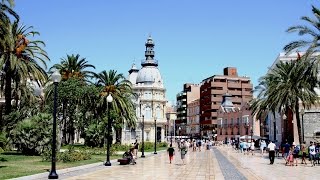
(252, 147)
(262, 146)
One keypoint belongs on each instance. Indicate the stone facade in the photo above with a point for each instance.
(311, 125)
(151, 99)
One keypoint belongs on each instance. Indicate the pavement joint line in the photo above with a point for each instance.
(244, 170)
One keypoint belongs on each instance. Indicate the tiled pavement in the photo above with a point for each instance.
(199, 165)
(258, 167)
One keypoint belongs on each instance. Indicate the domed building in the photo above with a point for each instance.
(151, 102)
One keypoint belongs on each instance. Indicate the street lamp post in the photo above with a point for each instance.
(155, 136)
(180, 133)
(109, 100)
(142, 148)
(251, 131)
(302, 114)
(56, 78)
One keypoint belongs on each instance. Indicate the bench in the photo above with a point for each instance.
(124, 161)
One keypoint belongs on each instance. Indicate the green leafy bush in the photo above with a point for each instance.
(69, 155)
(33, 135)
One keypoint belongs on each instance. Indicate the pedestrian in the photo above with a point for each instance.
(171, 153)
(295, 153)
(183, 151)
(286, 149)
(290, 157)
(271, 148)
(304, 153)
(312, 153)
(252, 147)
(262, 146)
(136, 147)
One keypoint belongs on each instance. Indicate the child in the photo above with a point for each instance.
(171, 153)
(290, 157)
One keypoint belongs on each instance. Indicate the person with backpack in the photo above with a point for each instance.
(295, 153)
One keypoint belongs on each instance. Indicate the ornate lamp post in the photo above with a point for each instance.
(251, 131)
(56, 78)
(180, 133)
(155, 135)
(142, 148)
(109, 100)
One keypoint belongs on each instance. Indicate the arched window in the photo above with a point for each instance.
(158, 112)
(148, 113)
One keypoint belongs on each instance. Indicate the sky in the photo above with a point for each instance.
(194, 39)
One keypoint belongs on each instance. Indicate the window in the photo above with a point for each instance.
(148, 112)
(158, 113)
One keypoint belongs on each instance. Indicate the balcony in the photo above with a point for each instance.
(216, 99)
(234, 85)
(247, 85)
(218, 84)
(215, 106)
(235, 93)
(215, 91)
(247, 93)
(214, 114)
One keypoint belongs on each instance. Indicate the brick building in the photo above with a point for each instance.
(212, 90)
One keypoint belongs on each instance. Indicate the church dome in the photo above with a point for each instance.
(149, 74)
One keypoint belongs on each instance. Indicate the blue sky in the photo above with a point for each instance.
(194, 39)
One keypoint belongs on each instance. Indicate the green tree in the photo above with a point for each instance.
(120, 89)
(311, 30)
(288, 84)
(22, 59)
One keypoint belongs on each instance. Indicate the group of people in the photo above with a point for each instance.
(290, 152)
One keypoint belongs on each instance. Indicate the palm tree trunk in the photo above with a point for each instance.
(8, 87)
(298, 122)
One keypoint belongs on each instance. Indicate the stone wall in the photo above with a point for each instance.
(311, 120)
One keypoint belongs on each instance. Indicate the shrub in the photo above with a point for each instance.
(32, 135)
(69, 155)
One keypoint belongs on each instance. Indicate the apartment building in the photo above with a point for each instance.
(193, 118)
(213, 88)
(189, 93)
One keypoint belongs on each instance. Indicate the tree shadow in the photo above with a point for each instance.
(3, 166)
(3, 159)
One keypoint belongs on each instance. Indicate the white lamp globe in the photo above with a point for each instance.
(109, 98)
(56, 77)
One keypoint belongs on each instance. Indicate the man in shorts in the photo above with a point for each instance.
(171, 153)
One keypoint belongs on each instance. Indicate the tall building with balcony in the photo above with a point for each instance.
(151, 99)
(189, 93)
(213, 88)
(193, 118)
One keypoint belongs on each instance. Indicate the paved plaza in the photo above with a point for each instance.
(218, 163)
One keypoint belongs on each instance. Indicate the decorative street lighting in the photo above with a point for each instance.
(56, 78)
(180, 133)
(142, 148)
(109, 100)
(155, 135)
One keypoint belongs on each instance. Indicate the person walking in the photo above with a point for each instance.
(183, 151)
(312, 153)
(304, 153)
(252, 147)
(136, 147)
(295, 153)
(271, 148)
(170, 153)
(262, 146)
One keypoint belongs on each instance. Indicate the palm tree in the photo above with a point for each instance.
(288, 85)
(120, 89)
(313, 31)
(73, 66)
(22, 59)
